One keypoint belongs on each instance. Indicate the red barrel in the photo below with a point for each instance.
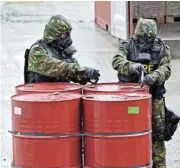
(123, 113)
(114, 88)
(46, 113)
(46, 152)
(118, 151)
(118, 130)
(46, 87)
(43, 124)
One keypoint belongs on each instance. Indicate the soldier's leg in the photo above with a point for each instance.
(158, 144)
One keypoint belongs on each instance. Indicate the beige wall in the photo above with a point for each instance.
(156, 9)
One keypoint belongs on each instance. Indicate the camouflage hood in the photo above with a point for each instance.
(55, 27)
(146, 27)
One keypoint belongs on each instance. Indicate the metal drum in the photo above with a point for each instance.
(117, 130)
(46, 113)
(46, 129)
(46, 152)
(114, 88)
(118, 151)
(46, 87)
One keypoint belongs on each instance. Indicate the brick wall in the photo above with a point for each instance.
(162, 11)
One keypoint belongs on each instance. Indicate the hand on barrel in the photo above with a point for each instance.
(148, 79)
(92, 75)
(137, 68)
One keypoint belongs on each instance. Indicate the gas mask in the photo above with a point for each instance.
(145, 43)
(69, 51)
(62, 42)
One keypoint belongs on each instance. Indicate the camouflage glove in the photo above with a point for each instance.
(83, 75)
(148, 80)
(137, 68)
(92, 74)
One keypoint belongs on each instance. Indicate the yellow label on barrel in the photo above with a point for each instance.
(133, 110)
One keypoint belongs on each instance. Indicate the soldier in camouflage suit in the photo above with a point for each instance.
(50, 59)
(147, 53)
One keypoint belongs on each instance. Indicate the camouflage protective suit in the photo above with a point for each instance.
(160, 70)
(49, 62)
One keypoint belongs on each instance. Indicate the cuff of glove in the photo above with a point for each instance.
(129, 71)
(75, 69)
(154, 77)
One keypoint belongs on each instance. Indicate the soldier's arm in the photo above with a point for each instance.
(79, 77)
(163, 72)
(120, 62)
(42, 63)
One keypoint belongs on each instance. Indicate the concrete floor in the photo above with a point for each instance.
(22, 25)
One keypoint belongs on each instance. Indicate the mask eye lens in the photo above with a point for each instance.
(141, 39)
(145, 39)
(65, 35)
(150, 40)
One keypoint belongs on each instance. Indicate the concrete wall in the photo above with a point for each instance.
(135, 5)
(174, 47)
(152, 9)
(173, 8)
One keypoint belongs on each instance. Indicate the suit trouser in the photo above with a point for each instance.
(158, 144)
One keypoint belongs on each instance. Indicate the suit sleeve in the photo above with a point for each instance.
(120, 62)
(163, 72)
(40, 62)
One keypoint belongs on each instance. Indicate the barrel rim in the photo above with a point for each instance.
(141, 166)
(31, 136)
(89, 88)
(74, 96)
(22, 86)
(13, 166)
(104, 136)
(99, 97)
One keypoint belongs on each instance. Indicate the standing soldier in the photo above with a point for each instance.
(50, 59)
(148, 53)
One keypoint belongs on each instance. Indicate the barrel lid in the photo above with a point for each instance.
(49, 87)
(46, 97)
(113, 87)
(118, 97)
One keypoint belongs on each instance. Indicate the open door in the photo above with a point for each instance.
(115, 17)
(119, 19)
